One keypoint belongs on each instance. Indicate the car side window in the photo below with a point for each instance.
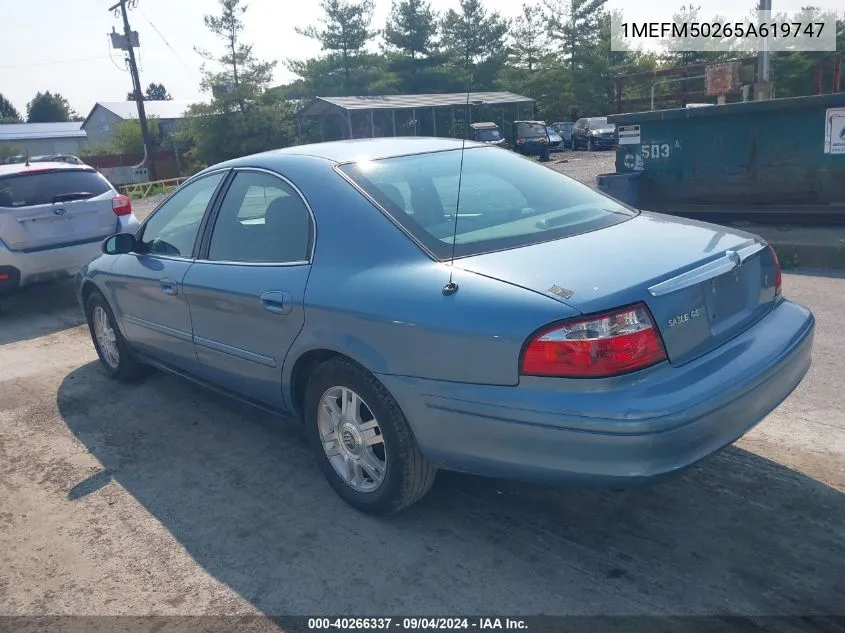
(172, 229)
(262, 220)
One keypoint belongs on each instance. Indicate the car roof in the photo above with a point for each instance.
(483, 125)
(538, 122)
(361, 149)
(22, 168)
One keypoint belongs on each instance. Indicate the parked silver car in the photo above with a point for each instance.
(54, 217)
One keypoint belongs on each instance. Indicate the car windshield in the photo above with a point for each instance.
(530, 129)
(36, 188)
(506, 201)
(489, 135)
(601, 124)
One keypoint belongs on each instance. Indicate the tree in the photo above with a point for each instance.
(244, 117)
(49, 108)
(154, 92)
(8, 112)
(127, 137)
(243, 78)
(528, 43)
(410, 35)
(344, 32)
(473, 36)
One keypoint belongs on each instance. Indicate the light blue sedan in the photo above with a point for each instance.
(573, 338)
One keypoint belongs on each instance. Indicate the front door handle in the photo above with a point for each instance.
(168, 286)
(277, 301)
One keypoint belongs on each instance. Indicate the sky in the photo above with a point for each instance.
(63, 45)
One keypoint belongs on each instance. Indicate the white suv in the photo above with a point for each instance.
(53, 220)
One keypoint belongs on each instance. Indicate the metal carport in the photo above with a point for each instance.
(409, 115)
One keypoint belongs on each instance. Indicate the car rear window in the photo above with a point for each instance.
(531, 129)
(31, 189)
(506, 201)
(489, 135)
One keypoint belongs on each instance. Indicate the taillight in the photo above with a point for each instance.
(778, 276)
(597, 346)
(121, 205)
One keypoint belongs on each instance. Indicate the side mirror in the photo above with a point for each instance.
(119, 244)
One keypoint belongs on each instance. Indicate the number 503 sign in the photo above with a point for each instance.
(655, 150)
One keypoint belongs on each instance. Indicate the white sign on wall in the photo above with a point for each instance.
(834, 131)
(629, 134)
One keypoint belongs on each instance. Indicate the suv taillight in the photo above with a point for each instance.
(607, 344)
(778, 276)
(121, 205)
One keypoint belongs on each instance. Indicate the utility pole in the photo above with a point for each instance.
(128, 44)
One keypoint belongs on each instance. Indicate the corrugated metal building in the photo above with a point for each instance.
(43, 138)
(449, 115)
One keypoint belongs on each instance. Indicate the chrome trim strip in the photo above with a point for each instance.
(161, 329)
(235, 351)
(729, 261)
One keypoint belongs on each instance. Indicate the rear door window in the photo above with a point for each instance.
(47, 187)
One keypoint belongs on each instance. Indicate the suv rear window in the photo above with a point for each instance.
(41, 187)
(531, 129)
(506, 201)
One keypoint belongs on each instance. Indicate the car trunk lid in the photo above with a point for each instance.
(52, 208)
(702, 283)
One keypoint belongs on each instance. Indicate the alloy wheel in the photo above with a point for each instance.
(352, 439)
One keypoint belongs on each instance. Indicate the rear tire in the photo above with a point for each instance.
(363, 444)
(115, 355)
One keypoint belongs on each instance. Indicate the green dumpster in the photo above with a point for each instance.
(776, 152)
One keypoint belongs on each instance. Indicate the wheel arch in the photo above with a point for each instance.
(299, 367)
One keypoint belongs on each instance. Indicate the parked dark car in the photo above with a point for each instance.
(555, 140)
(487, 132)
(564, 129)
(531, 138)
(593, 133)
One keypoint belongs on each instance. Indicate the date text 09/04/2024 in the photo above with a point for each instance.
(416, 624)
(720, 30)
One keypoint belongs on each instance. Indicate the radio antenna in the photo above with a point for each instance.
(451, 287)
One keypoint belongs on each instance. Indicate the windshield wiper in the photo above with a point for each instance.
(67, 197)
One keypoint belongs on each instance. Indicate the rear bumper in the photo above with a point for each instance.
(51, 263)
(664, 421)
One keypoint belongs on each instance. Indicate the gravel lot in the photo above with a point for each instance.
(160, 498)
(584, 166)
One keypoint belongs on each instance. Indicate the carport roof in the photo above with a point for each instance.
(35, 131)
(321, 105)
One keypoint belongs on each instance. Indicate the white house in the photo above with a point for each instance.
(100, 122)
(44, 138)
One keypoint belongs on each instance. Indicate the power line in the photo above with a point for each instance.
(163, 39)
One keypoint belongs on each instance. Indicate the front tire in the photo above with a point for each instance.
(363, 444)
(114, 353)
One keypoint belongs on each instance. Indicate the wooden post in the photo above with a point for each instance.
(372, 125)
(434, 120)
(393, 112)
(414, 116)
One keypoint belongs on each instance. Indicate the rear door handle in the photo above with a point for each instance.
(168, 286)
(277, 301)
